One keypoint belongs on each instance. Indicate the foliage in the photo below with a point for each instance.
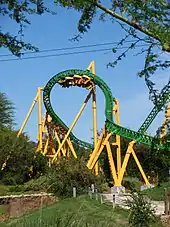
(154, 162)
(18, 155)
(157, 193)
(141, 212)
(4, 189)
(104, 187)
(144, 22)
(32, 186)
(19, 12)
(80, 211)
(38, 184)
(62, 177)
(6, 111)
(131, 183)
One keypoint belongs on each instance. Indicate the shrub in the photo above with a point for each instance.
(71, 173)
(22, 163)
(132, 183)
(39, 184)
(141, 212)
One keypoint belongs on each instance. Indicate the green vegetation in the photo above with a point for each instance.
(34, 175)
(6, 111)
(132, 183)
(141, 212)
(61, 179)
(23, 171)
(81, 211)
(18, 152)
(157, 193)
(145, 25)
(142, 22)
(19, 12)
(2, 210)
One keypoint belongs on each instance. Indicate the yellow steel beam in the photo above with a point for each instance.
(28, 115)
(73, 124)
(59, 143)
(118, 149)
(130, 151)
(46, 147)
(71, 148)
(91, 67)
(139, 166)
(99, 151)
(125, 162)
(111, 162)
(43, 123)
(95, 151)
(40, 118)
(164, 126)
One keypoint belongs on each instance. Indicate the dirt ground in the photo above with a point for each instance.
(15, 207)
(165, 220)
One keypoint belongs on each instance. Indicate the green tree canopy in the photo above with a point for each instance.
(6, 111)
(18, 161)
(144, 21)
(19, 12)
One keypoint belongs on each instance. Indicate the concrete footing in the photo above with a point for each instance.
(144, 187)
(117, 189)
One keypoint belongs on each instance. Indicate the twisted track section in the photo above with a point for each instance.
(139, 136)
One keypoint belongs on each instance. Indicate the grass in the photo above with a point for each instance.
(4, 190)
(79, 212)
(2, 210)
(157, 193)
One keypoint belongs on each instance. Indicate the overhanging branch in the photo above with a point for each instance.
(130, 23)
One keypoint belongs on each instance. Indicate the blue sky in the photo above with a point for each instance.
(20, 79)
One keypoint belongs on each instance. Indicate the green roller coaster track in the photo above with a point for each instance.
(139, 137)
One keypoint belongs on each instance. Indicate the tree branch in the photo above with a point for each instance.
(130, 23)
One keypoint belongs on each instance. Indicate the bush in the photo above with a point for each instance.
(22, 163)
(105, 187)
(71, 173)
(131, 183)
(36, 184)
(61, 178)
(141, 212)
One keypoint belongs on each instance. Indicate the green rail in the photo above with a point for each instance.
(139, 136)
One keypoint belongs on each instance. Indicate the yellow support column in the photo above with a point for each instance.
(140, 167)
(111, 162)
(40, 118)
(99, 151)
(46, 147)
(125, 162)
(59, 143)
(71, 148)
(118, 149)
(92, 69)
(73, 124)
(95, 151)
(130, 151)
(28, 115)
(164, 126)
